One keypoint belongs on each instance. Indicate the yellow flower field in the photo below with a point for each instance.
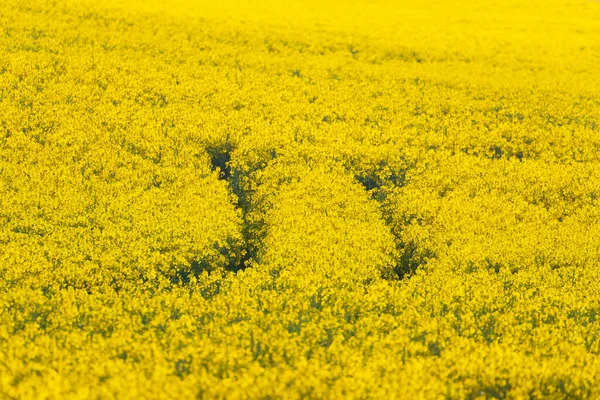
(304, 199)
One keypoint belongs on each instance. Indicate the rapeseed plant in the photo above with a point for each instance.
(323, 199)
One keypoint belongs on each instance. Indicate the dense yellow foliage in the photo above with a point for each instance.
(320, 199)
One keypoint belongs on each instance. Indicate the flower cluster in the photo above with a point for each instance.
(304, 199)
